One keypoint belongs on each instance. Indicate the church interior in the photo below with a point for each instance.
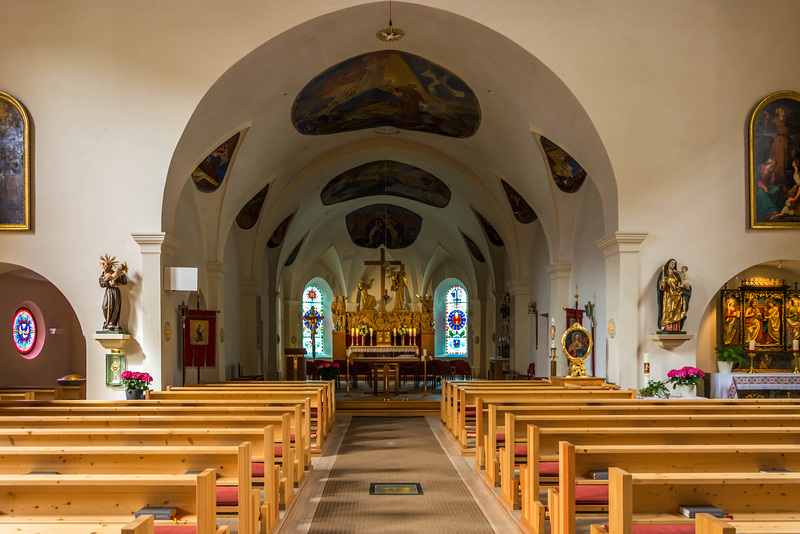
(477, 176)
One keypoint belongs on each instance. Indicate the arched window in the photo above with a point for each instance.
(312, 298)
(456, 321)
(24, 331)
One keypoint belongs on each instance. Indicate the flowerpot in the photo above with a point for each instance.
(686, 392)
(134, 394)
(724, 367)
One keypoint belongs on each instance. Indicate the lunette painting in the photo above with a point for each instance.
(775, 162)
(15, 167)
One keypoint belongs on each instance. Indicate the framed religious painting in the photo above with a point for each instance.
(15, 165)
(775, 162)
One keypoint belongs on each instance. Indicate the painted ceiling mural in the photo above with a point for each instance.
(491, 233)
(473, 248)
(293, 255)
(248, 216)
(519, 207)
(276, 238)
(387, 178)
(567, 173)
(387, 88)
(208, 176)
(383, 224)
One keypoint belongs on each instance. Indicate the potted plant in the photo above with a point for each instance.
(655, 388)
(685, 380)
(728, 355)
(135, 384)
(328, 370)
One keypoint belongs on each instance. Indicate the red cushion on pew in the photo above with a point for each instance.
(548, 469)
(291, 438)
(278, 451)
(662, 529)
(175, 529)
(258, 469)
(521, 451)
(227, 496)
(501, 438)
(313, 412)
(469, 411)
(591, 494)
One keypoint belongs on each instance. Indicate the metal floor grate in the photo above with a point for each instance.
(395, 488)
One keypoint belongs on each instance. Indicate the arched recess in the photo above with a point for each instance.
(62, 350)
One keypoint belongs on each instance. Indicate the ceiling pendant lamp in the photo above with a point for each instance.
(390, 34)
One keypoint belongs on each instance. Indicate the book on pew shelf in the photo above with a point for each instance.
(690, 510)
(158, 512)
(42, 473)
(598, 475)
(192, 472)
(775, 471)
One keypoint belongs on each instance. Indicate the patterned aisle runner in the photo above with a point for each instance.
(395, 450)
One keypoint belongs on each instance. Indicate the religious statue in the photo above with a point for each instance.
(426, 317)
(793, 317)
(366, 301)
(114, 275)
(339, 312)
(674, 292)
(399, 284)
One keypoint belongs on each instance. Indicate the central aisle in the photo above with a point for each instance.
(395, 450)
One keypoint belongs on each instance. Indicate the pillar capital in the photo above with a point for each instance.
(559, 270)
(621, 242)
(518, 285)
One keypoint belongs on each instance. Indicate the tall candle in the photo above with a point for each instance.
(646, 360)
(795, 345)
(753, 345)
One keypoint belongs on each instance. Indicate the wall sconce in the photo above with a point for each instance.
(532, 308)
(180, 279)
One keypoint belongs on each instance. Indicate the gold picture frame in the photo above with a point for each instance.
(15, 165)
(576, 344)
(774, 177)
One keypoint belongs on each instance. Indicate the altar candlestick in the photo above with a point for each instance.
(795, 344)
(752, 344)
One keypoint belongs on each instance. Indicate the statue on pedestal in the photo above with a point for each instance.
(674, 292)
(114, 275)
(366, 301)
(426, 317)
(339, 312)
(399, 284)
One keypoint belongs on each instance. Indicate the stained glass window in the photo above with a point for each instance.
(24, 331)
(312, 298)
(456, 318)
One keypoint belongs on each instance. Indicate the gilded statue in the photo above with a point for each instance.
(426, 315)
(114, 275)
(366, 301)
(339, 312)
(399, 284)
(793, 317)
(674, 292)
(752, 320)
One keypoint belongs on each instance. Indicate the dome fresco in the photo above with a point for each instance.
(567, 173)
(248, 215)
(387, 88)
(491, 233)
(208, 176)
(519, 207)
(473, 248)
(276, 238)
(386, 178)
(383, 224)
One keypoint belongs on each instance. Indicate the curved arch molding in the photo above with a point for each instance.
(383, 224)
(387, 88)
(387, 178)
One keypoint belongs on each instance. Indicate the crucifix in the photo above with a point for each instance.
(384, 264)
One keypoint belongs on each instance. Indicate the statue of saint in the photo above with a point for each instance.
(399, 284)
(793, 317)
(426, 317)
(113, 276)
(339, 312)
(674, 292)
(366, 301)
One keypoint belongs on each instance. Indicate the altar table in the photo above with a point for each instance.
(386, 359)
(739, 385)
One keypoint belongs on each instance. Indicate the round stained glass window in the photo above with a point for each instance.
(456, 320)
(24, 331)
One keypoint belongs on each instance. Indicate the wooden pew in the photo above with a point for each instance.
(30, 499)
(144, 524)
(544, 446)
(47, 392)
(232, 465)
(450, 390)
(575, 462)
(654, 498)
(708, 524)
(278, 492)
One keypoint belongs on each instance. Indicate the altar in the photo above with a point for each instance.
(754, 385)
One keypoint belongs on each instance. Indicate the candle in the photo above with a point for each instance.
(370, 332)
(394, 331)
(646, 360)
(424, 352)
(752, 345)
(795, 345)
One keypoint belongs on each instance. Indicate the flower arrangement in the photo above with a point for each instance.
(685, 376)
(328, 370)
(133, 380)
(402, 329)
(655, 388)
(362, 329)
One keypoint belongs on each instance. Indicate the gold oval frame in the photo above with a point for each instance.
(576, 326)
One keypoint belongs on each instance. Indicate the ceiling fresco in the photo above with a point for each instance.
(473, 248)
(387, 178)
(208, 176)
(519, 207)
(387, 88)
(248, 216)
(276, 238)
(567, 173)
(491, 233)
(293, 255)
(383, 224)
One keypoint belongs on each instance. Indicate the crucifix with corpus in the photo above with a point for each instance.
(384, 266)
(312, 318)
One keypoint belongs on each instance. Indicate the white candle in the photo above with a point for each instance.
(752, 344)
(795, 344)
(424, 352)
